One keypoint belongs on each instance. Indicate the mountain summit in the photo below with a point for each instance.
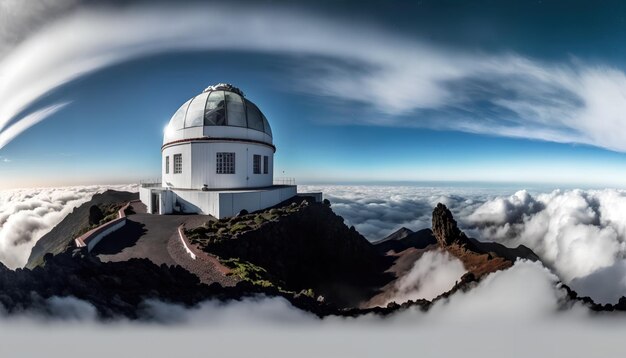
(445, 228)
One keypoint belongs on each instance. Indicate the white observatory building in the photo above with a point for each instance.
(217, 158)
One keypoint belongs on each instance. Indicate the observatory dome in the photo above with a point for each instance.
(220, 111)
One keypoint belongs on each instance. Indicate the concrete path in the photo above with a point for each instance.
(155, 237)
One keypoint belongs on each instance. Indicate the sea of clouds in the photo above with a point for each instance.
(28, 214)
(579, 234)
(519, 311)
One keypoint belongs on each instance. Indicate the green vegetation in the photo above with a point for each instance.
(257, 275)
(216, 231)
(247, 271)
(213, 233)
(109, 212)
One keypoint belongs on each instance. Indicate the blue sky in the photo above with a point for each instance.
(358, 92)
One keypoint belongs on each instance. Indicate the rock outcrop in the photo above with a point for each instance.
(479, 258)
(445, 228)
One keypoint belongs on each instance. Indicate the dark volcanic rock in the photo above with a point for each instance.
(479, 258)
(122, 288)
(445, 228)
(95, 215)
(404, 238)
(399, 234)
(511, 254)
(311, 248)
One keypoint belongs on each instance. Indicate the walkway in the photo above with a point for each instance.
(155, 237)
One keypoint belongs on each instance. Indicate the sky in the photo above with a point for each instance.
(528, 93)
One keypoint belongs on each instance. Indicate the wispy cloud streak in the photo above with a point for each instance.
(402, 81)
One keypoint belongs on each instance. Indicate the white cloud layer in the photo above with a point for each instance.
(434, 273)
(399, 78)
(28, 214)
(580, 234)
(516, 311)
(376, 211)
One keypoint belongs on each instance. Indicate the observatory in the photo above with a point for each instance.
(217, 158)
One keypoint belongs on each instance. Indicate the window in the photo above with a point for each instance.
(235, 111)
(195, 113)
(256, 164)
(266, 124)
(178, 120)
(266, 164)
(178, 163)
(167, 164)
(255, 117)
(215, 112)
(225, 163)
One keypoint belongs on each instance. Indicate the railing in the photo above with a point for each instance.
(150, 183)
(284, 181)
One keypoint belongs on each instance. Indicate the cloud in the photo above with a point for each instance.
(28, 121)
(28, 214)
(580, 234)
(400, 81)
(19, 19)
(434, 273)
(518, 311)
(377, 210)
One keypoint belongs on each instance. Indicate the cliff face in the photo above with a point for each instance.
(57, 240)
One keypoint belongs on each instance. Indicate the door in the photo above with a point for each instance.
(155, 203)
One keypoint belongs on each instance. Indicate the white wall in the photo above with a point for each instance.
(199, 166)
(146, 198)
(182, 180)
(195, 201)
(228, 203)
(116, 225)
(166, 199)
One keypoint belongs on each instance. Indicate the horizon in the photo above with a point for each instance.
(451, 184)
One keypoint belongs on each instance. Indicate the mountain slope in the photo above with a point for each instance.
(57, 240)
(404, 238)
(302, 245)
